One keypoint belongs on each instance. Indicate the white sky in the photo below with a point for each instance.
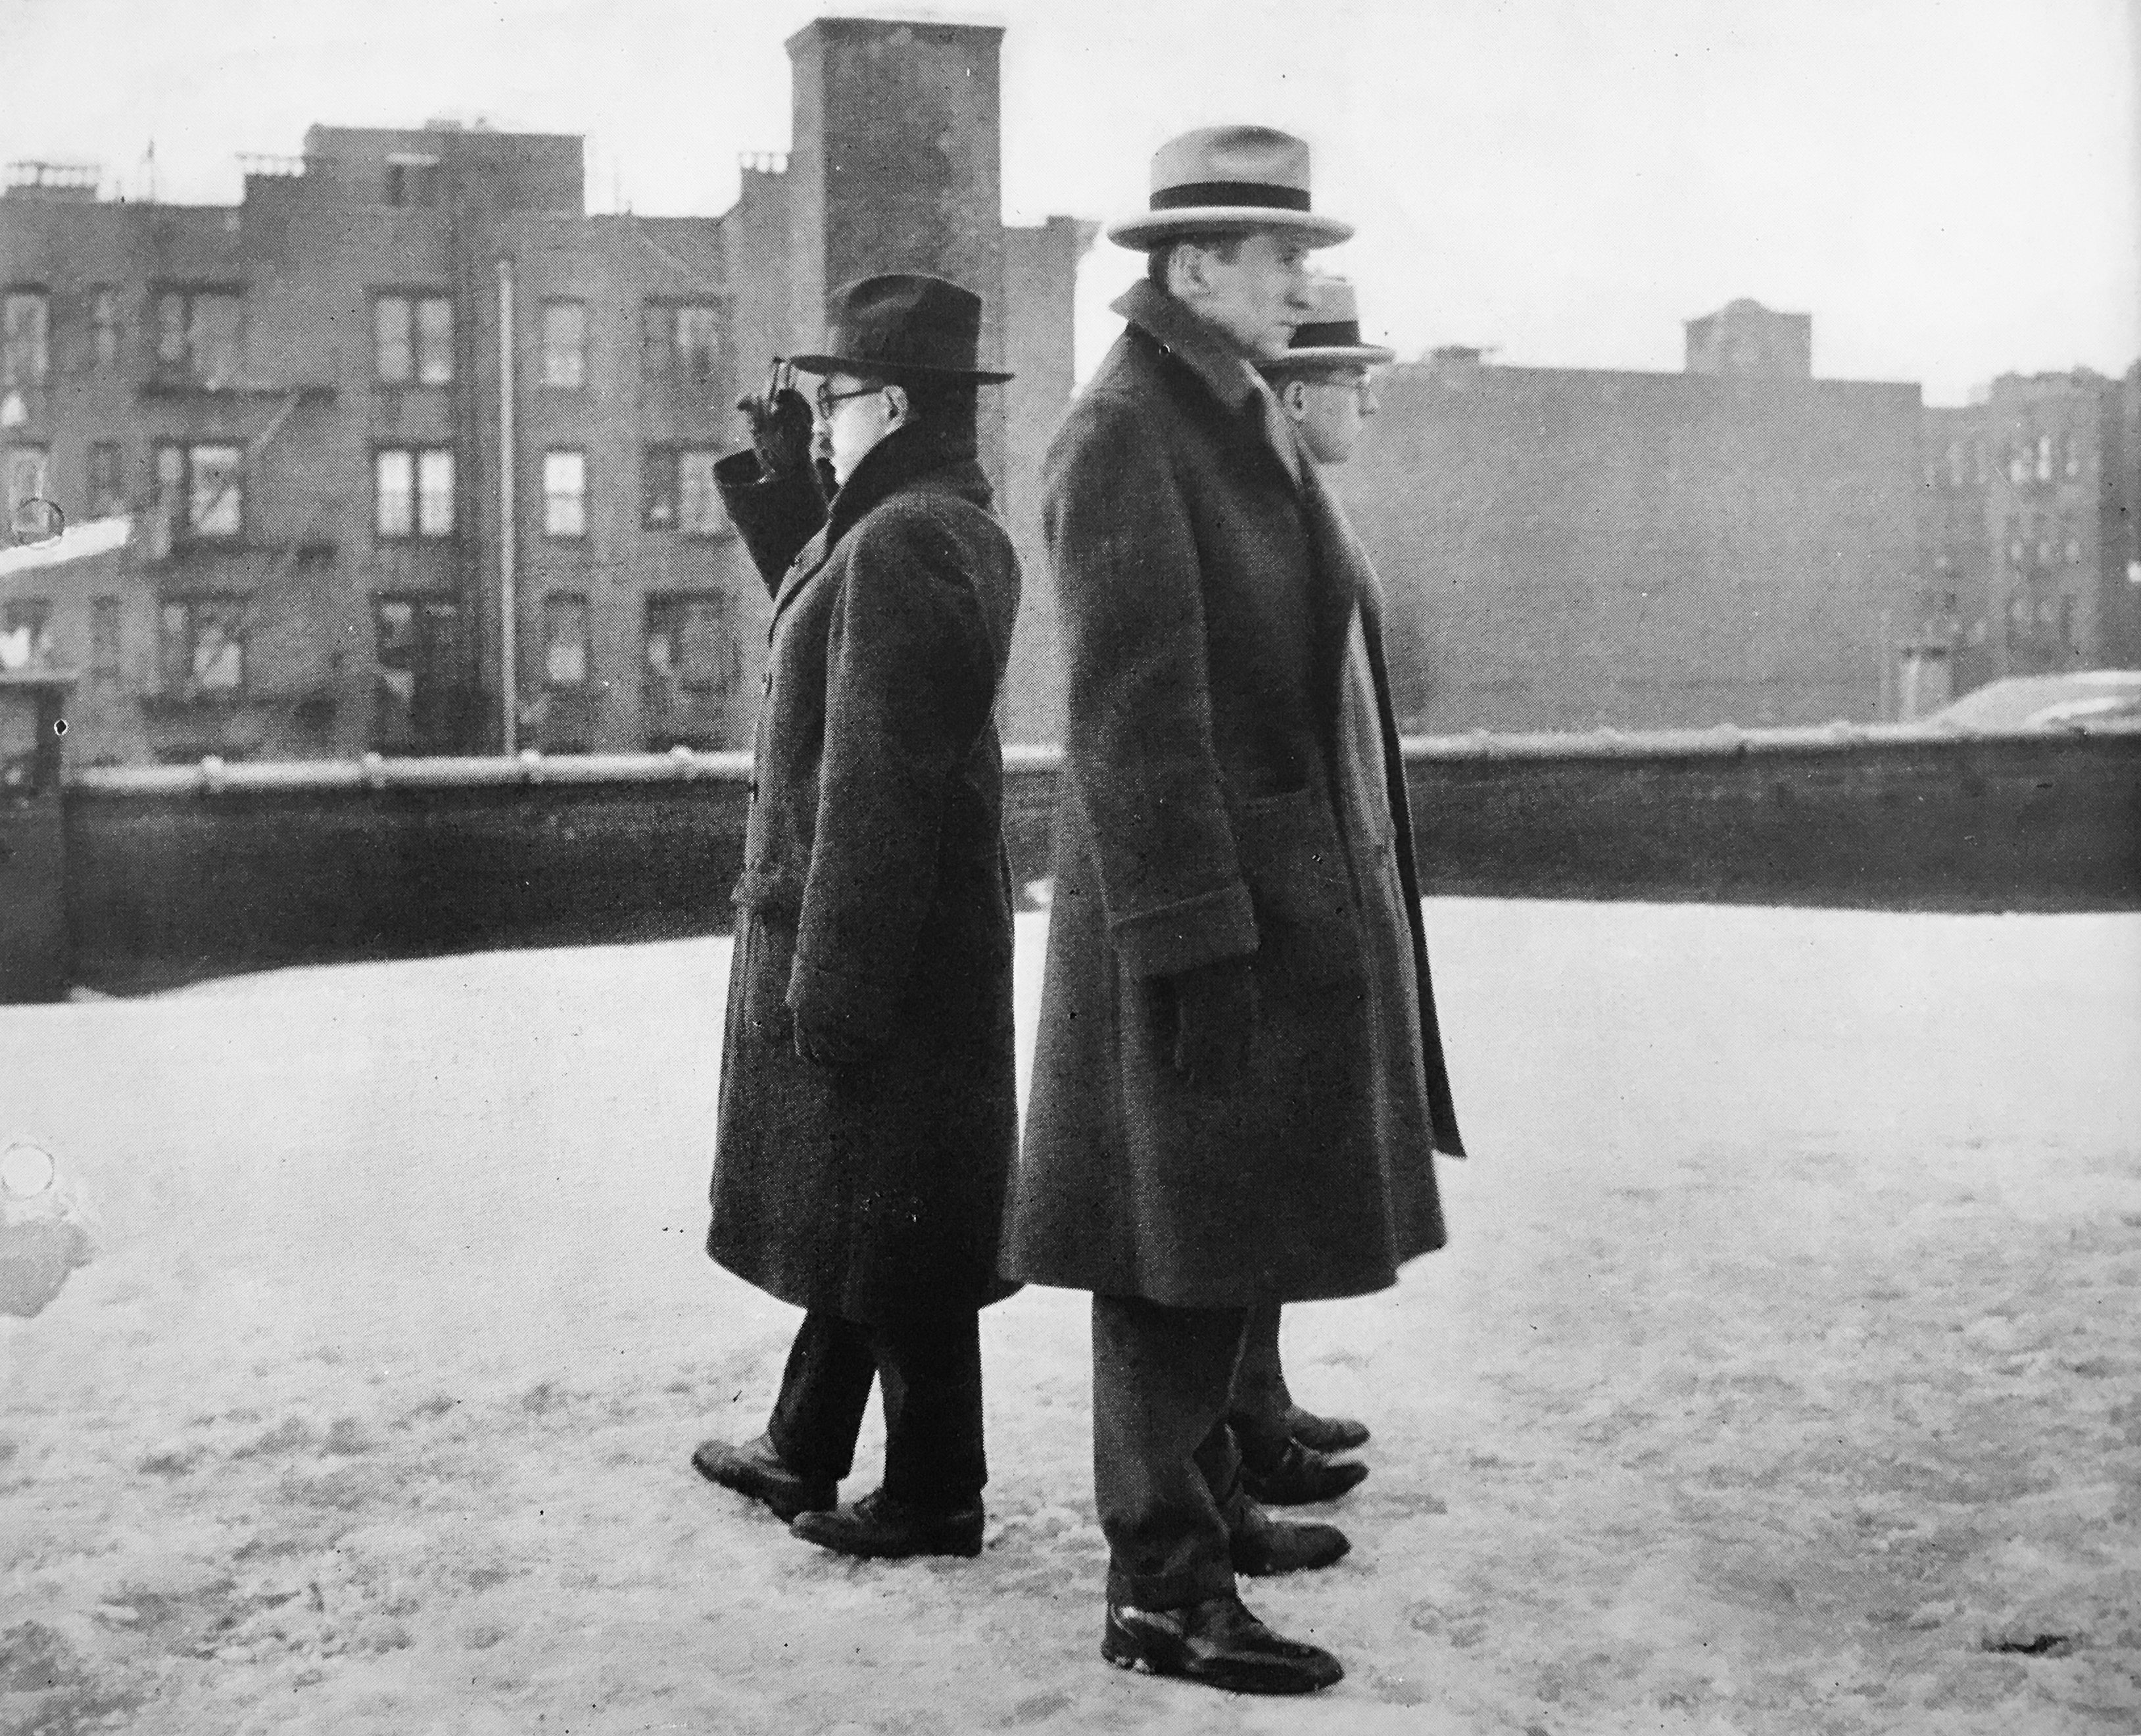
(1950, 187)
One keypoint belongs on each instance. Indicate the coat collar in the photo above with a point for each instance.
(943, 457)
(1211, 355)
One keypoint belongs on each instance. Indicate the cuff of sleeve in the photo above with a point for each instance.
(854, 1005)
(1180, 937)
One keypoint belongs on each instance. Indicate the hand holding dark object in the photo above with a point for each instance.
(825, 1045)
(1215, 1018)
(781, 424)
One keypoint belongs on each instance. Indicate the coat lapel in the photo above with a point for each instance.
(815, 553)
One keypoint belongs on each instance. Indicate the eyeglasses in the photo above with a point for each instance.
(826, 398)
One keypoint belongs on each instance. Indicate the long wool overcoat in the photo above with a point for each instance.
(876, 895)
(1232, 788)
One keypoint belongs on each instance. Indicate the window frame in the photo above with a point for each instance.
(661, 348)
(192, 604)
(94, 494)
(551, 355)
(550, 496)
(191, 348)
(416, 453)
(14, 341)
(568, 605)
(431, 362)
(41, 456)
(107, 649)
(187, 482)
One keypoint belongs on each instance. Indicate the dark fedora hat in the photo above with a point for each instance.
(902, 324)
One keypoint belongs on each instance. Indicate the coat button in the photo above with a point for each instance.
(766, 686)
(751, 789)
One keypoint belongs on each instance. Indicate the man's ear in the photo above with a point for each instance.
(1294, 395)
(1185, 270)
(902, 413)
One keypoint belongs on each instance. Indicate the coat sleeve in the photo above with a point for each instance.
(910, 680)
(776, 516)
(1138, 746)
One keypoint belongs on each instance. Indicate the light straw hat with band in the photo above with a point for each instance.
(1220, 178)
(1331, 338)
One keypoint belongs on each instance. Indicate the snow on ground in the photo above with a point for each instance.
(1783, 1374)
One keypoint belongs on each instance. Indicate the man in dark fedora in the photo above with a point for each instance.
(1324, 382)
(1232, 1105)
(867, 1124)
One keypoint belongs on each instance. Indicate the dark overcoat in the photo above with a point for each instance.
(1232, 789)
(875, 896)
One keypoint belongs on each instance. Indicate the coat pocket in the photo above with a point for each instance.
(1308, 914)
(765, 954)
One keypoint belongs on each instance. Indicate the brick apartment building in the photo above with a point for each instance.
(2030, 555)
(1569, 548)
(406, 431)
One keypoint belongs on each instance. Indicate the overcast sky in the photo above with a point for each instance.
(1952, 188)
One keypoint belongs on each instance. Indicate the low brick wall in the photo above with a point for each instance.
(176, 872)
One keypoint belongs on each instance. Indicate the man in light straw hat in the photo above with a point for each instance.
(1237, 1085)
(868, 1120)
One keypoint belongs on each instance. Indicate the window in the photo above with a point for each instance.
(26, 480)
(679, 492)
(103, 328)
(2018, 463)
(2069, 624)
(203, 646)
(2045, 552)
(412, 492)
(202, 489)
(564, 493)
(680, 340)
(25, 636)
(1956, 472)
(412, 339)
(688, 643)
(1949, 602)
(25, 338)
(2072, 465)
(2044, 458)
(2073, 551)
(412, 180)
(565, 344)
(106, 640)
(197, 334)
(565, 640)
(421, 701)
(107, 481)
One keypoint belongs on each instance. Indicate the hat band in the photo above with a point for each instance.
(1338, 334)
(1231, 193)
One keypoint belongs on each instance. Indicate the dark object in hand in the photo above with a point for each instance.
(1215, 1019)
(781, 424)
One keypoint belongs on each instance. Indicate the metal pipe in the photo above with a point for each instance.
(508, 628)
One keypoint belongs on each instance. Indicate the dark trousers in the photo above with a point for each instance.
(929, 1374)
(1258, 1405)
(1165, 1472)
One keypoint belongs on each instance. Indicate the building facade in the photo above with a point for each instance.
(1570, 548)
(2030, 559)
(420, 454)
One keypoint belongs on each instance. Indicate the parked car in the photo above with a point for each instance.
(2046, 701)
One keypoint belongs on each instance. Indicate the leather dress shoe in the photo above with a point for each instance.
(757, 1470)
(1300, 1475)
(1326, 1434)
(1217, 1642)
(1262, 1546)
(878, 1526)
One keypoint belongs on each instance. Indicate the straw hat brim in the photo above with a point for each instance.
(862, 368)
(1147, 228)
(1336, 355)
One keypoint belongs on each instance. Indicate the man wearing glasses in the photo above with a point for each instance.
(867, 1122)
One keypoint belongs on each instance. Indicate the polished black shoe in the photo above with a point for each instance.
(1217, 1642)
(1262, 1546)
(756, 1469)
(878, 1526)
(1326, 1434)
(1298, 1476)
